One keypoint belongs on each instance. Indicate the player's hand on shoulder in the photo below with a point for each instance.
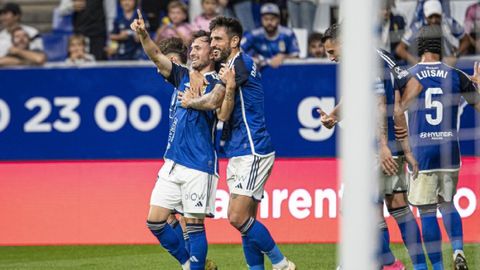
(389, 166)
(186, 97)
(197, 81)
(228, 77)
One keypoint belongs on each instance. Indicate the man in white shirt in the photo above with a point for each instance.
(10, 17)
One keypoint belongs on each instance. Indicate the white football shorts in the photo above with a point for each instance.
(247, 175)
(188, 191)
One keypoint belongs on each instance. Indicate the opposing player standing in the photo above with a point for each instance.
(433, 123)
(248, 147)
(188, 179)
(392, 155)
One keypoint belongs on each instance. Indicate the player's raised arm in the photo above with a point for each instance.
(162, 62)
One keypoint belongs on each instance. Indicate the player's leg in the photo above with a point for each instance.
(178, 228)
(198, 197)
(246, 180)
(451, 218)
(386, 258)
(397, 205)
(166, 196)
(423, 194)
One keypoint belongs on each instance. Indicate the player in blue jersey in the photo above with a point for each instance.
(248, 145)
(433, 119)
(392, 155)
(188, 179)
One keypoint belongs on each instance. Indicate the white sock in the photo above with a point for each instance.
(283, 263)
(186, 265)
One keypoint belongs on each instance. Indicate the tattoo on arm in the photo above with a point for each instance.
(210, 101)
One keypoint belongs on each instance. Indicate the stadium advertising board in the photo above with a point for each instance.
(106, 202)
(122, 112)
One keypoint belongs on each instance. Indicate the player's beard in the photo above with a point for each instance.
(222, 55)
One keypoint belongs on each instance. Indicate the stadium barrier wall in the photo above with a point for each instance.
(106, 202)
(80, 149)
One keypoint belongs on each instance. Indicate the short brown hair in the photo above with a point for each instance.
(174, 45)
(178, 4)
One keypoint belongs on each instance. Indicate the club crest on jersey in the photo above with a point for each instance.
(281, 46)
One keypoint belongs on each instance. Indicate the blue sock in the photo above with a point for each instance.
(179, 232)
(253, 256)
(432, 238)
(453, 224)
(198, 246)
(386, 255)
(169, 240)
(411, 236)
(260, 237)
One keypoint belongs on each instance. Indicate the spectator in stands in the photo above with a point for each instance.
(315, 46)
(392, 28)
(418, 15)
(124, 42)
(302, 13)
(21, 53)
(77, 51)
(242, 10)
(272, 43)
(455, 41)
(177, 25)
(10, 18)
(209, 12)
(93, 19)
(472, 25)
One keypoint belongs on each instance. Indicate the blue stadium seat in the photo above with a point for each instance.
(55, 45)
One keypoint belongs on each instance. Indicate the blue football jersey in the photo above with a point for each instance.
(191, 137)
(247, 129)
(433, 117)
(393, 78)
(256, 43)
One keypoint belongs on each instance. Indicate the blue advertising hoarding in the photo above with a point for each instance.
(121, 112)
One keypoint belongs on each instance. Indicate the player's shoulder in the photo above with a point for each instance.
(212, 76)
(387, 58)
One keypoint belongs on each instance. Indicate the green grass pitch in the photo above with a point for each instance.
(227, 257)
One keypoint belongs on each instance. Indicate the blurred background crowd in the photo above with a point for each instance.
(34, 32)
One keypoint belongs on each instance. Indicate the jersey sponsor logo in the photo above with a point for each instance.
(436, 135)
(195, 196)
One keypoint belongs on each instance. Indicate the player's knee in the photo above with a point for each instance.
(395, 201)
(427, 209)
(237, 219)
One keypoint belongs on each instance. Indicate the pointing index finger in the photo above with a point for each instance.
(139, 13)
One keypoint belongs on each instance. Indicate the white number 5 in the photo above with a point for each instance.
(429, 103)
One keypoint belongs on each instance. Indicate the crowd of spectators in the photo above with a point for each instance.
(99, 29)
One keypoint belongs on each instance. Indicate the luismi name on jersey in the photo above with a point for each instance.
(422, 74)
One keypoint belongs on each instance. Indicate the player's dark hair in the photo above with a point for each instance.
(333, 33)
(315, 36)
(174, 45)
(430, 40)
(233, 26)
(201, 34)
